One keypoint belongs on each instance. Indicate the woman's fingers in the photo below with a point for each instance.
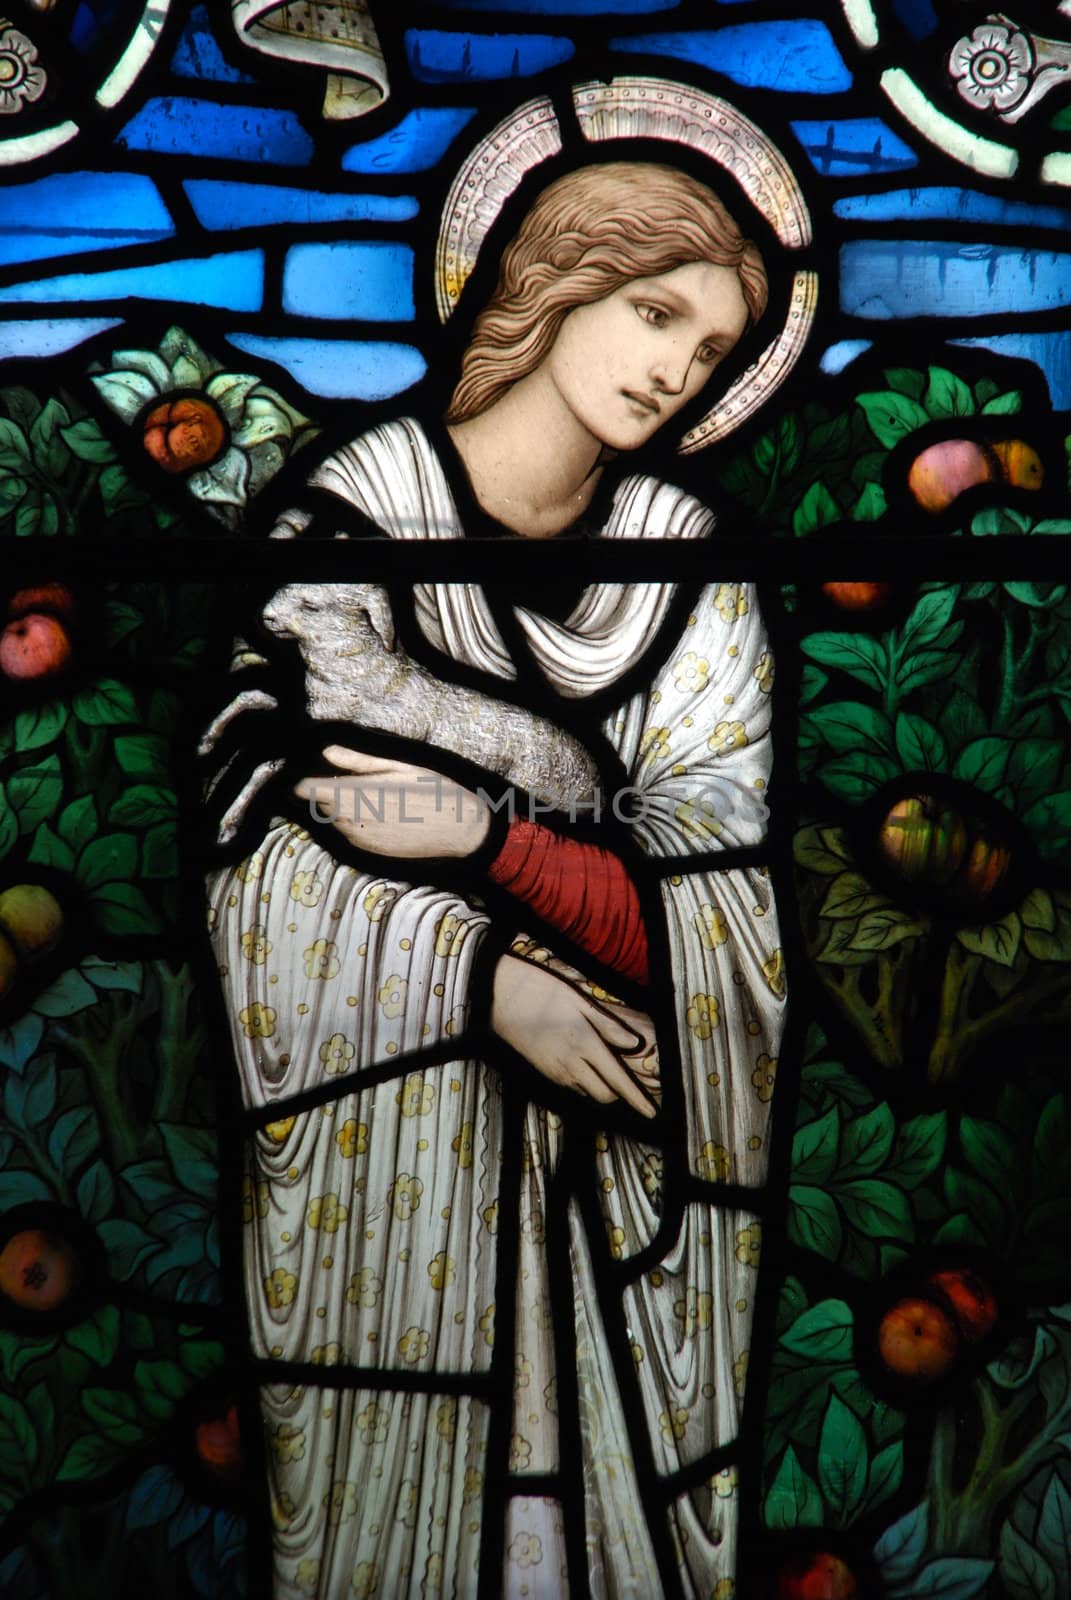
(614, 1030)
(616, 1077)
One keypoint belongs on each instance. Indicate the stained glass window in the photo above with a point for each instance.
(535, 800)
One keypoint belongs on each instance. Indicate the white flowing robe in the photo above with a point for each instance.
(372, 1219)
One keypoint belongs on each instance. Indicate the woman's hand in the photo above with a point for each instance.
(571, 1040)
(392, 808)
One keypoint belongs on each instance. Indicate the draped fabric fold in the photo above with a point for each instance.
(374, 1222)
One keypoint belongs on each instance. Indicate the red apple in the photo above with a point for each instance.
(53, 597)
(38, 1269)
(942, 471)
(183, 434)
(34, 646)
(923, 840)
(917, 1340)
(973, 1302)
(819, 1575)
(1020, 463)
(857, 596)
(32, 918)
(219, 1446)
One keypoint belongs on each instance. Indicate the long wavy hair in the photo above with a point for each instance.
(588, 234)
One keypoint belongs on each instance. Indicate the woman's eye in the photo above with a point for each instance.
(706, 355)
(653, 315)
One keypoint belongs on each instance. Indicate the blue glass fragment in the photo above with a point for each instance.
(79, 211)
(885, 279)
(91, 21)
(173, 125)
(1049, 351)
(565, 8)
(253, 205)
(341, 369)
(797, 55)
(417, 143)
(235, 282)
(51, 336)
(842, 354)
(917, 16)
(856, 144)
(945, 203)
(369, 280)
(198, 55)
(436, 57)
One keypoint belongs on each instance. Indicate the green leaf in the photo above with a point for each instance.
(854, 653)
(812, 681)
(877, 1208)
(85, 440)
(856, 775)
(119, 493)
(848, 725)
(884, 928)
(96, 1192)
(928, 623)
(88, 1457)
(12, 491)
(1024, 1572)
(40, 725)
(1054, 1523)
(891, 416)
(201, 1357)
(115, 1413)
(194, 1158)
(143, 805)
(106, 704)
(46, 440)
(979, 1202)
(988, 1149)
(14, 448)
(161, 1386)
(821, 850)
(906, 380)
(959, 1229)
(1034, 769)
(48, 850)
(122, 910)
(919, 1149)
(850, 895)
(839, 949)
(824, 1333)
(9, 828)
(72, 1137)
(842, 1461)
(1000, 520)
(18, 1441)
(813, 1220)
(35, 792)
(793, 1500)
(111, 859)
(997, 941)
(814, 1147)
(98, 1337)
(929, 666)
(886, 1475)
(143, 755)
(816, 510)
(1049, 820)
(1051, 1144)
(984, 762)
(919, 744)
(1003, 405)
(946, 395)
(871, 504)
(78, 822)
(159, 853)
(866, 1143)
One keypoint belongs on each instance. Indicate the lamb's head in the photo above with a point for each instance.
(332, 620)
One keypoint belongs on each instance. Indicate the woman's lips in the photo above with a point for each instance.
(644, 401)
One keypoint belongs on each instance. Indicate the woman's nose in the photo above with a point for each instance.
(670, 371)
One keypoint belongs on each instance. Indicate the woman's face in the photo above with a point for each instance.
(626, 364)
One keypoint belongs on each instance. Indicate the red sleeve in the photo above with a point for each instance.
(580, 889)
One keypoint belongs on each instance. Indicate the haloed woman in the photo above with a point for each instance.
(395, 1225)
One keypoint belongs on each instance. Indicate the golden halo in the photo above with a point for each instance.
(641, 108)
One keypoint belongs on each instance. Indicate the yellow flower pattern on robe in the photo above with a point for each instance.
(321, 960)
(326, 1214)
(703, 1015)
(337, 1052)
(258, 1021)
(256, 946)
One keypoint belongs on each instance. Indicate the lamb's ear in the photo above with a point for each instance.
(380, 616)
